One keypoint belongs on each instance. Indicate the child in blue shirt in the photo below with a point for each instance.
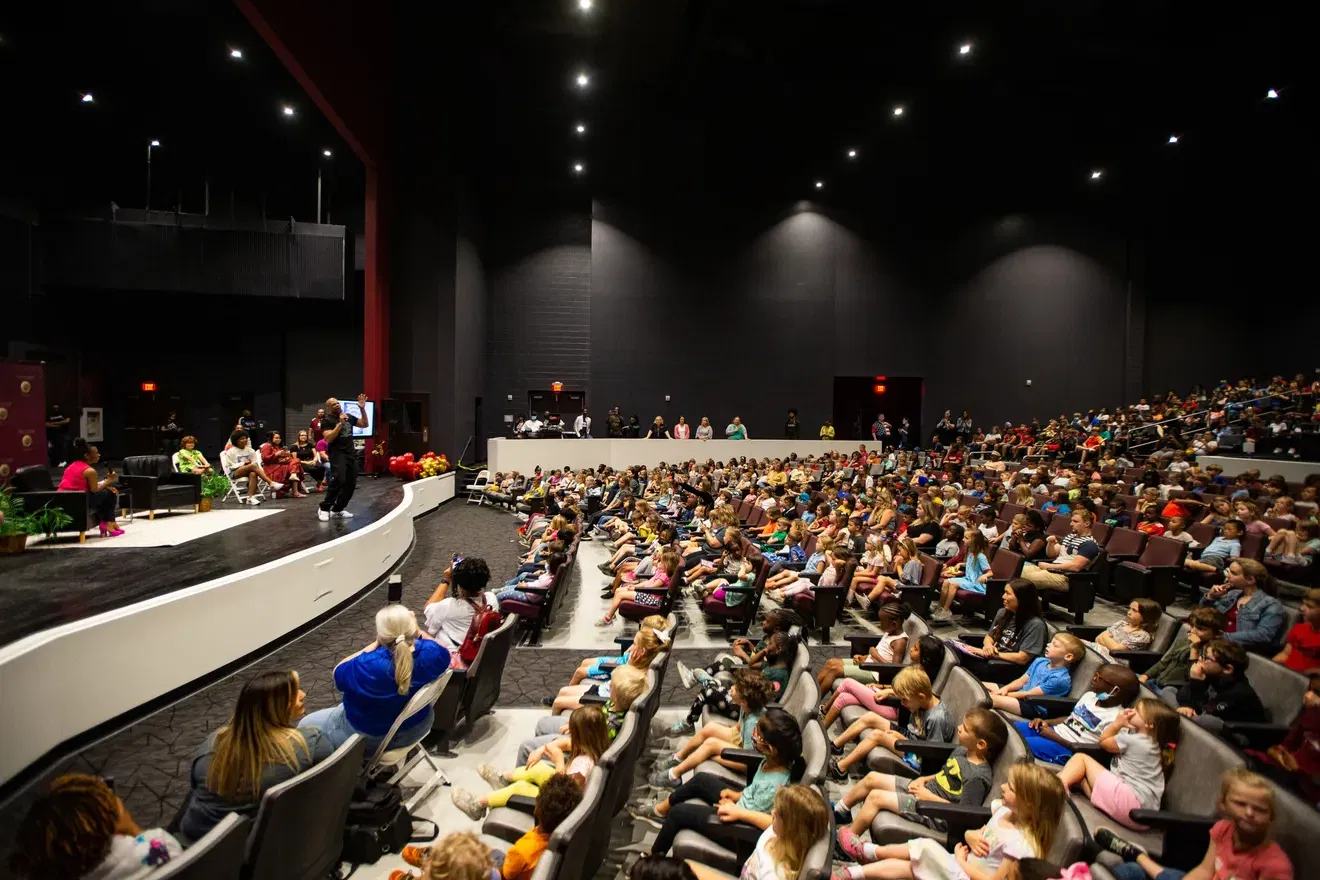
(1048, 676)
(1215, 556)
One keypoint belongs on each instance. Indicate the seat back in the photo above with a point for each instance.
(1202, 760)
(1253, 546)
(914, 628)
(1125, 541)
(217, 856)
(815, 754)
(616, 764)
(1083, 672)
(1100, 531)
(817, 863)
(34, 478)
(1060, 526)
(1165, 633)
(547, 867)
(1069, 837)
(572, 840)
(1279, 688)
(299, 829)
(147, 466)
(423, 698)
(1008, 511)
(1163, 551)
(1297, 828)
(947, 665)
(962, 692)
(801, 697)
(486, 671)
(1006, 565)
(1015, 750)
(1202, 533)
(930, 569)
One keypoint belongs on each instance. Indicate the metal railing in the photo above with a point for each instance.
(1133, 447)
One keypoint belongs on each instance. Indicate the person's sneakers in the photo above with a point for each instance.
(852, 844)
(837, 772)
(253, 500)
(836, 750)
(275, 487)
(323, 515)
(646, 813)
(605, 621)
(689, 680)
(607, 594)
(864, 602)
(468, 803)
(605, 569)
(941, 615)
(493, 777)
(682, 727)
(666, 763)
(343, 514)
(547, 701)
(415, 855)
(1124, 849)
(842, 815)
(660, 779)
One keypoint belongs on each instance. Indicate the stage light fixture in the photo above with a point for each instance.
(965, 49)
(581, 129)
(578, 168)
(87, 98)
(287, 110)
(236, 54)
(898, 110)
(1097, 174)
(155, 143)
(852, 154)
(820, 184)
(1271, 95)
(327, 153)
(584, 5)
(583, 80)
(1173, 139)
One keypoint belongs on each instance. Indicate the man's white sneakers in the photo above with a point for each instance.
(343, 514)
(323, 515)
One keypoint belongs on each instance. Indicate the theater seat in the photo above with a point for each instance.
(1154, 575)
(961, 693)
(156, 485)
(217, 856)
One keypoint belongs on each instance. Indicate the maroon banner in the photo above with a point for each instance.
(22, 417)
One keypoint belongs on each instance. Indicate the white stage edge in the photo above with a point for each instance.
(523, 456)
(1292, 471)
(59, 683)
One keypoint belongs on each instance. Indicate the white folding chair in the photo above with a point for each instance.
(408, 757)
(238, 489)
(477, 491)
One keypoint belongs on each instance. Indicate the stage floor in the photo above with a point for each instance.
(41, 589)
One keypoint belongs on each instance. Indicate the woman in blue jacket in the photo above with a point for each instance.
(1255, 617)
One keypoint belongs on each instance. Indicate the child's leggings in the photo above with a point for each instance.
(526, 782)
(854, 693)
(801, 585)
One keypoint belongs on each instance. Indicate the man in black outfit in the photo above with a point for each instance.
(57, 435)
(338, 438)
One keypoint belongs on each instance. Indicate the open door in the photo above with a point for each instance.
(408, 414)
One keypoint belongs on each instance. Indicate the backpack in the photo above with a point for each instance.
(378, 823)
(485, 620)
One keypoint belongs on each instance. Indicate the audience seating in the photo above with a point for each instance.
(570, 842)
(822, 610)
(299, 830)
(1280, 691)
(960, 692)
(408, 757)
(472, 693)
(217, 856)
(1004, 567)
(35, 487)
(737, 619)
(1168, 630)
(918, 597)
(1124, 545)
(1081, 675)
(156, 485)
(1154, 575)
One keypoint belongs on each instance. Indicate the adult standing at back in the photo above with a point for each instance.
(314, 430)
(735, 430)
(582, 425)
(343, 458)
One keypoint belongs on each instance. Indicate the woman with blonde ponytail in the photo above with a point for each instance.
(378, 681)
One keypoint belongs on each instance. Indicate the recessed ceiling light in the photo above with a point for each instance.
(898, 110)
(577, 168)
(155, 143)
(820, 184)
(1173, 139)
(581, 129)
(87, 98)
(965, 49)
(852, 154)
(583, 80)
(327, 153)
(1271, 94)
(1097, 174)
(287, 110)
(584, 5)
(236, 53)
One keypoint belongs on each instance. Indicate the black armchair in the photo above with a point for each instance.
(35, 486)
(157, 486)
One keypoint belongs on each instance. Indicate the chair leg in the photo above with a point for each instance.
(151, 515)
(82, 537)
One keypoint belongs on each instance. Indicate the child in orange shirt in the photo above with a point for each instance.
(558, 797)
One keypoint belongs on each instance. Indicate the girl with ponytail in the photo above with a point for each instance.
(378, 681)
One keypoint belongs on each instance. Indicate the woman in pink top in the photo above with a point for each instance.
(682, 430)
(80, 476)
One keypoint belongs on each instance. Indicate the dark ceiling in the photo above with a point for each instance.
(728, 100)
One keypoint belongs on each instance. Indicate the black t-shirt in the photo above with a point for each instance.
(933, 529)
(1031, 537)
(305, 452)
(62, 429)
(342, 443)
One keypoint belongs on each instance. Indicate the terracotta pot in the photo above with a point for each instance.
(204, 506)
(12, 544)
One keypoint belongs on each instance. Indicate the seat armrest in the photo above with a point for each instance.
(750, 758)
(1255, 735)
(976, 640)
(1086, 633)
(528, 588)
(884, 672)
(592, 698)
(1052, 707)
(653, 591)
(608, 667)
(862, 644)
(1165, 820)
(624, 642)
(812, 576)
(1115, 558)
(735, 832)
(958, 817)
(1094, 750)
(1140, 661)
(139, 483)
(176, 479)
(522, 803)
(923, 749)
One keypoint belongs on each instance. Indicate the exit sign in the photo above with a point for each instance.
(148, 386)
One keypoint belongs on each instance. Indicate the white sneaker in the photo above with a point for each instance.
(323, 515)
(275, 487)
(941, 614)
(342, 514)
(254, 501)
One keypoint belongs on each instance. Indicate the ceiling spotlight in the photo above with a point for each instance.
(1271, 95)
(583, 80)
(287, 110)
(584, 5)
(1096, 175)
(965, 49)
(87, 98)
(581, 129)
(155, 143)
(1173, 139)
(327, 153)
(820, 184)
(898, 111)
(852, 154)
(577, 168)
(236, 53)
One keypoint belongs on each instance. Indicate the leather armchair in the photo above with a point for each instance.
(35, 485)
(156, 486)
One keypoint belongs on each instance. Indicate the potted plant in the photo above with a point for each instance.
(49, 520)
(213, 486)
(15, 525)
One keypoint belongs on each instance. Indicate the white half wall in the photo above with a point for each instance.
(524, 455)
(59, 683)
(1292, 471)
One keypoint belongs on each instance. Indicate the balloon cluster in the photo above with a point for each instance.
(405, 467)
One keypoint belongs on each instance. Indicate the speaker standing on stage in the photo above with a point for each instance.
(343, 458)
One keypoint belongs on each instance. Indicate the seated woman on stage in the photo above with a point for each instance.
(191, 461)
(80, 476)
(260, 747)
(282, 465)
(314, 464)
(378, 681)
(240, 460)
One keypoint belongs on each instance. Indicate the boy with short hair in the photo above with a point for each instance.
(1218, 689)
(1172, 671)
(559, 796)
(1048, 676)
(1226, 546)
(931, 722)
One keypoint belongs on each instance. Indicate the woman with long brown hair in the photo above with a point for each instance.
(261, 746)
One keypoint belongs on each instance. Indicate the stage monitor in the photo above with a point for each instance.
(350, 406)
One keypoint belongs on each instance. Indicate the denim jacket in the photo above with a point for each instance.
(1259, 622)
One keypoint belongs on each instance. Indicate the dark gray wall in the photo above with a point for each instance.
(469, 352)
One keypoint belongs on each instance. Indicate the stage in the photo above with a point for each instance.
(110, 630)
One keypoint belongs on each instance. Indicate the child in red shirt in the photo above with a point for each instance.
(1301, 652)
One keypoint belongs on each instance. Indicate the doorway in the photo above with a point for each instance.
(409, 418)
(859, 399)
